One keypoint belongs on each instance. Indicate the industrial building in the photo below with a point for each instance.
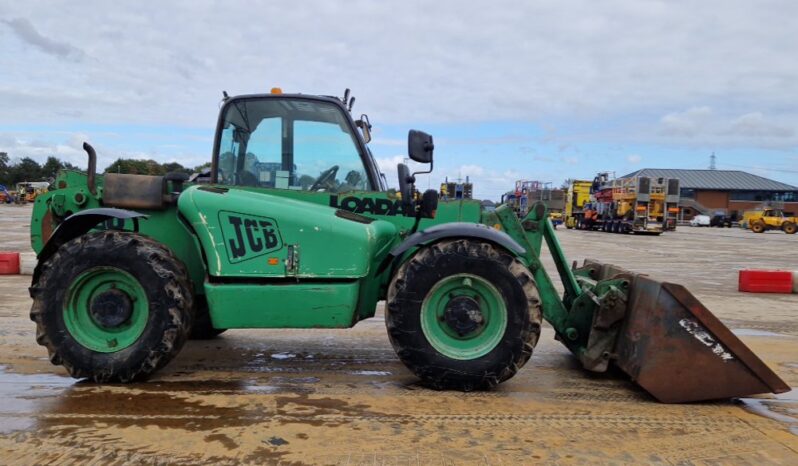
(729, 191)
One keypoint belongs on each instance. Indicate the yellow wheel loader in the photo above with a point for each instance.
(772, 219)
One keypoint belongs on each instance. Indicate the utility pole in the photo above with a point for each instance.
(712, 161)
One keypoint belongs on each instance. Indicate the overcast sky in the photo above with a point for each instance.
(541, 90)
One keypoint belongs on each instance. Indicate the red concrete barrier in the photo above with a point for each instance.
(9, 263)
(766, 281)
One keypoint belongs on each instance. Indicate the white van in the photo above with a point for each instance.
(700, 221)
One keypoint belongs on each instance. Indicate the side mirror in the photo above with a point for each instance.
(420, 146)
(365, 127)
(406, 188)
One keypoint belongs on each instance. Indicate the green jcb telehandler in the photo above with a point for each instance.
(293, 226)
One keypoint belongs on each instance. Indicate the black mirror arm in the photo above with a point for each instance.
(417, 222)
(431, 164)
(412, 181)
(416, 208)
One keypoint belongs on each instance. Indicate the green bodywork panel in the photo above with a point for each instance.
(284, 234)
(295, 305)
(72, 195)
(270, 258)
(312, 258)
(241, 231)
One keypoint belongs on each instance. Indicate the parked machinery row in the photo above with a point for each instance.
(623, 205)
(529, 192)
(27, 191)
(456, 189)
(5, 196)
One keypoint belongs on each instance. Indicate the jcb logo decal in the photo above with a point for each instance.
(248, 236)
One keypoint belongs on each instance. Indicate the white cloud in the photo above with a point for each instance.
(388, 168)
(755, 124)
(688, 123)
(27, 33)
(456, 62)
(702, 125)
(650, 72)
(69, 148)
(471, 170)
(634, 159)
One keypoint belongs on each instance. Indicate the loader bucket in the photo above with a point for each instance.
(678, 351)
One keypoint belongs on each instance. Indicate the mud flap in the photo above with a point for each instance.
(678, 351)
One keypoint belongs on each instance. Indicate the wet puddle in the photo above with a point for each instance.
(21, 393)
(783, 408)
(46, 402)
(368, 372)
(751, 332)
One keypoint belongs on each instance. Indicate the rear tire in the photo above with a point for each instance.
(758, 227)
(789, 228)
(463, 314)
(112, 306)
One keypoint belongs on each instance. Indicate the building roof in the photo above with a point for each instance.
(726, 180)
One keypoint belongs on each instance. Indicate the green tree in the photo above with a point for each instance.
(144, 167)
(200, 168)
(53, 165)
(176, 167)
(26, 169)
(4, 175)
(128, 166)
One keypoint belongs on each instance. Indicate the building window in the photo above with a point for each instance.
(761, 196)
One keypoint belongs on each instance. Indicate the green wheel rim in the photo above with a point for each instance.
(445, 339)
(86, 329)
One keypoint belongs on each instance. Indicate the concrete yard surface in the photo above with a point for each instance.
(343, 397)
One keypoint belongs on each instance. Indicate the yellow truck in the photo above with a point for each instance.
(578, 195)
(761, 221)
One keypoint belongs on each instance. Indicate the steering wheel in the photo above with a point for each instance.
(324, 179)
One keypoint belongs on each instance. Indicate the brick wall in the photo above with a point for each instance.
(713, 199)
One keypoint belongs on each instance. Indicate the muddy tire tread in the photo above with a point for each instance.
(176, 284)
(438, 377)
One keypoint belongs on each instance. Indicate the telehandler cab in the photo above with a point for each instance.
(293, 227)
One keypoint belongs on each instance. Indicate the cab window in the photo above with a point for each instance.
(289, 144)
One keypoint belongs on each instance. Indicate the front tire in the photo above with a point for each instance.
(758, 227)
(112, 306)
(463, 314)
